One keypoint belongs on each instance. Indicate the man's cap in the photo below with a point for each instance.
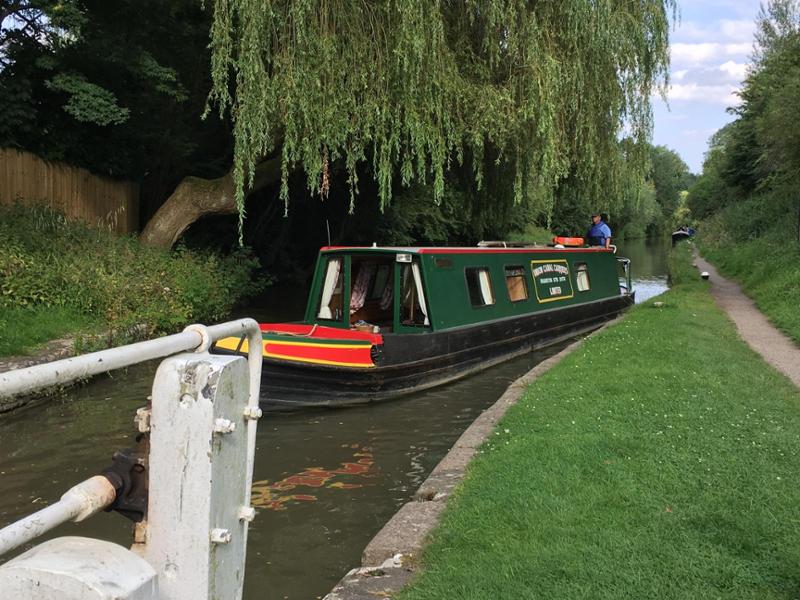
(596, 214)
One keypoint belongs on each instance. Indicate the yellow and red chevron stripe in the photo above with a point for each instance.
(309, 351)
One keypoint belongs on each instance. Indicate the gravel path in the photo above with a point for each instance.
(762, 336)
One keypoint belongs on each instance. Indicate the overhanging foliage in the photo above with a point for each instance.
(413, 85)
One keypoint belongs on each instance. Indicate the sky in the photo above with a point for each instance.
(711, 46)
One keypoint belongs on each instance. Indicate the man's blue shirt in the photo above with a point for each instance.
(598, 234)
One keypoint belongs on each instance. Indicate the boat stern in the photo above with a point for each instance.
(311, 344)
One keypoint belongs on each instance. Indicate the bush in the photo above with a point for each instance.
(48, 261)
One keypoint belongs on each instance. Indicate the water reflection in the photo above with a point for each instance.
(649, 258)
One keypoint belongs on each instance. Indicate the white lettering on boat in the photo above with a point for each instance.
(550, 268)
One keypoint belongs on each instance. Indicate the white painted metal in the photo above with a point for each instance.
(255, 358)
(76, 568)
(203, 432)
(199, 499)
(78, 503)
(31, 379)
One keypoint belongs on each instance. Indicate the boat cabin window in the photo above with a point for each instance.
(331, 301)
(582, 276)
(413, 309)
(371, 292)
(380, 282)
(516, 284)
(479, 286)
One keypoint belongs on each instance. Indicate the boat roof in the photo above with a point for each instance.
(458, 250)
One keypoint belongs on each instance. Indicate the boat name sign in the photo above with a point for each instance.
(551, 280)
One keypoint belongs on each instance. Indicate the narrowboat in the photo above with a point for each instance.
(385, 321)
(682, 233)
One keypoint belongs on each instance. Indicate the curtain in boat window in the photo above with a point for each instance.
(486, 286)
(420, 294)
(331, 280)
(413, 309)
(479, 286)
(582, 276)
(388, 294)
(358, 294)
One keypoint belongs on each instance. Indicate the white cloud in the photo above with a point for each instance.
(740, 8)
(736, 71)
(738, 30)
(679, 75)
(696, 54)
(712, 84)
(724, 30)
(723, 95)
(710, 47)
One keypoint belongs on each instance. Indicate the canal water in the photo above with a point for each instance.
(325, 481)
(649, 267)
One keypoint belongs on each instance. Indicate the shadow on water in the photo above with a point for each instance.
(325, 481)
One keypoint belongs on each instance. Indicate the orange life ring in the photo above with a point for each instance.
(568, 241)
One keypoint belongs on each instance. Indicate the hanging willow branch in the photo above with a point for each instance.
(412, 85)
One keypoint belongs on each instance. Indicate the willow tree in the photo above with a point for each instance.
(410, 86)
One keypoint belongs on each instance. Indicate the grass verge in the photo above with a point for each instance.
(58, 277)
(659, 460)
(753, 241)
(768, 269)
(22, 329)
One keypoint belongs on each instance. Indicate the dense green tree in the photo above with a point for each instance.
(413, 87)
(709, 193)
(669, 175)
(403, 92)
(119, 90)
(50, 23)
(758, 155)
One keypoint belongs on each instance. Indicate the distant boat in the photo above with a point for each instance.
(682, 233)
(383, 321)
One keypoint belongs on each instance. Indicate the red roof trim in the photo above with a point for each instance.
(434, 250)
(505, 250)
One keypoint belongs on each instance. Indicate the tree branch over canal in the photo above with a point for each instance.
(410, 88)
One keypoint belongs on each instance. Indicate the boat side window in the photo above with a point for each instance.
(516, 284)
(479, 286)
(380, 282)
(413, 309)
(582, 276)
(332, 298)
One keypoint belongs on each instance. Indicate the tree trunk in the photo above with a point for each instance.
(196, 197)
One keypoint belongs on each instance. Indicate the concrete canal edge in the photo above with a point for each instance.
(52, 351)
(390, 560)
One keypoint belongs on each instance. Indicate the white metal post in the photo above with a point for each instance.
(199, 498)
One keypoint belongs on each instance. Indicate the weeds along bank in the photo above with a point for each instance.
(755, 243)
(60, 277)
(657, 460)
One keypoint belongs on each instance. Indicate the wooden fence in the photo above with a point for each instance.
(77, 193)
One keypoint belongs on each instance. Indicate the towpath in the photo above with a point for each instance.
(761, 335)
